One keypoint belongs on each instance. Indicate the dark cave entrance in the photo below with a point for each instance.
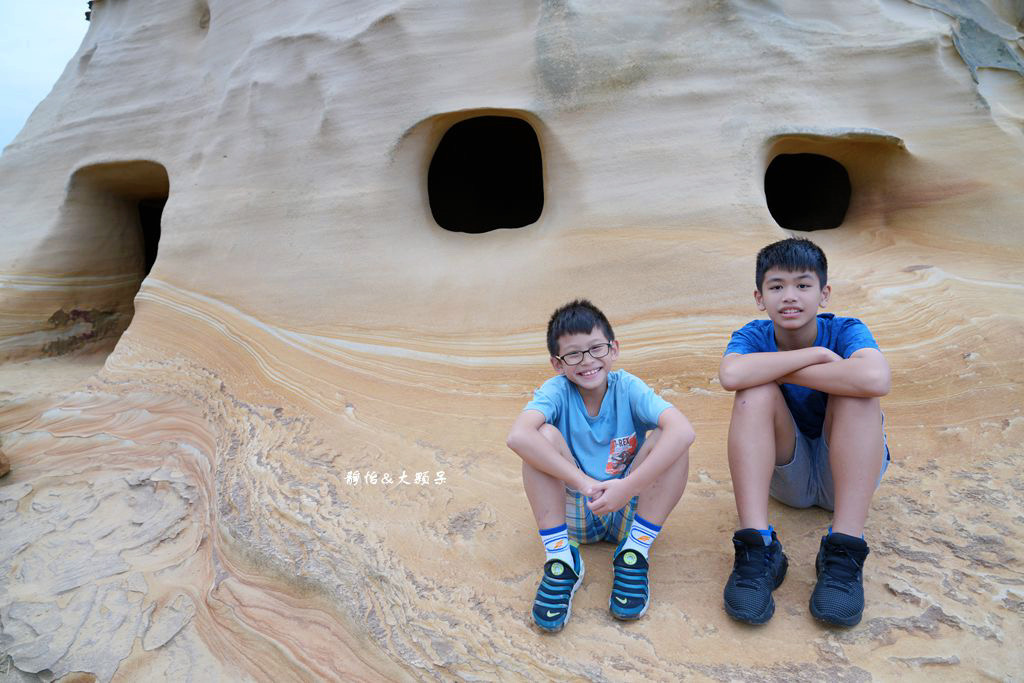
(807, 191)
(116, 210)
(150, 211)
(486, 174)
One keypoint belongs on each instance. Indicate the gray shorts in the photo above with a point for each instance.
(806, 480)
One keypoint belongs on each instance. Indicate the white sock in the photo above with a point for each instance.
(556, 544)
(641, 535)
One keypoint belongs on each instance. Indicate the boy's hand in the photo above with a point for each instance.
(587, 485)
(864, 374)
(826, 355)
(609, 496)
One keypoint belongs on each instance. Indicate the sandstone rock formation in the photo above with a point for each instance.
(291, 464)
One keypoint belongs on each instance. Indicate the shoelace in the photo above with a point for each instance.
(749, 570)
(840, 568)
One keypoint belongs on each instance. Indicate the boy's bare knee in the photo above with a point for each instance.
(864, 404)
(551, 433)
(763, 395)
(555, 438)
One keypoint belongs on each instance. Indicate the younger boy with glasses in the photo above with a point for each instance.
(591, 470)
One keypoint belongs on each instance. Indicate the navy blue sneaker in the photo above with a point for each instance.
(553, 604)
(757, 570)
(838, 597)
(631, 593)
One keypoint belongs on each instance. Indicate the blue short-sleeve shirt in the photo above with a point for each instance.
(840, 335)
(605, 445)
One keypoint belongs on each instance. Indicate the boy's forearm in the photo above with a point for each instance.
(754, 369)
(539, 453)
(858, 377)
(672, 442)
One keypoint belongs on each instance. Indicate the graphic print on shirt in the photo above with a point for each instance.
(621, 453)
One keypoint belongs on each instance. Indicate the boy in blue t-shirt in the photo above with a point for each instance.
(806, 428)
(591, 470)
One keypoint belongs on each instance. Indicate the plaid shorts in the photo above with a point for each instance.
(586, 527)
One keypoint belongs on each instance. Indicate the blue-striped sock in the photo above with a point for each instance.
(641, 535)
(556, 544)
(766, 534)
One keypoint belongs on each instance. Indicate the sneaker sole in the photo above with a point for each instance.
(568, 610)
(755, 620)
(836, 621)
(769, 612)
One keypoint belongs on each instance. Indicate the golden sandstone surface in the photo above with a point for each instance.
(291, 465)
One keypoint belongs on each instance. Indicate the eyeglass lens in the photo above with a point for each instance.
(576, 357)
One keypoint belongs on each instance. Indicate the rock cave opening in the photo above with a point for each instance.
(807, 191)
(118, 208)
(151, 209)
(486, 174)
(112, 216)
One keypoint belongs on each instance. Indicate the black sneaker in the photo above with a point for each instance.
(553, 604)
(757, 570)
(838, 597)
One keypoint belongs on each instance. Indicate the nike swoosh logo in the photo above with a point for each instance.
(622, 600)
(552, 614)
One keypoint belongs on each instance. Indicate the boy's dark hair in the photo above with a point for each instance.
(791, 255)
(576, 317)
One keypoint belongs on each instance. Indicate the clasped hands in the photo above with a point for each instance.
(607, 496)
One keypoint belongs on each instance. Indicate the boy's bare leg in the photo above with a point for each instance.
(546, 493)
(761, 436)
(553, 602)
(853, 429)
(659, 499)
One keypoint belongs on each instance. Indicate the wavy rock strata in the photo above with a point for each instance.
(291, 465)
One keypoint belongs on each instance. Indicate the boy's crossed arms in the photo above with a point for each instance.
(864, 374)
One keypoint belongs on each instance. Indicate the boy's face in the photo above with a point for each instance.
(590, 373)
(790, 298)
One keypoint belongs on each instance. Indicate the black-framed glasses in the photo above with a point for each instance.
(595, 351)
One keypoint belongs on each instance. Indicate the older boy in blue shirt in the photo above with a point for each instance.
(591, 470)
(806, 428)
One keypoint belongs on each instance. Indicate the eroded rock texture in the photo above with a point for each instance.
(291, 465)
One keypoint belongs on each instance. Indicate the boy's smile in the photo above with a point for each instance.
(791, 300)
(591, 374)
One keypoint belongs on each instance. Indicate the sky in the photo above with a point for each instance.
(37, 38)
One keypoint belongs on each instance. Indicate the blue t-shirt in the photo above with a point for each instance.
(840, 335)
(605, 445)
